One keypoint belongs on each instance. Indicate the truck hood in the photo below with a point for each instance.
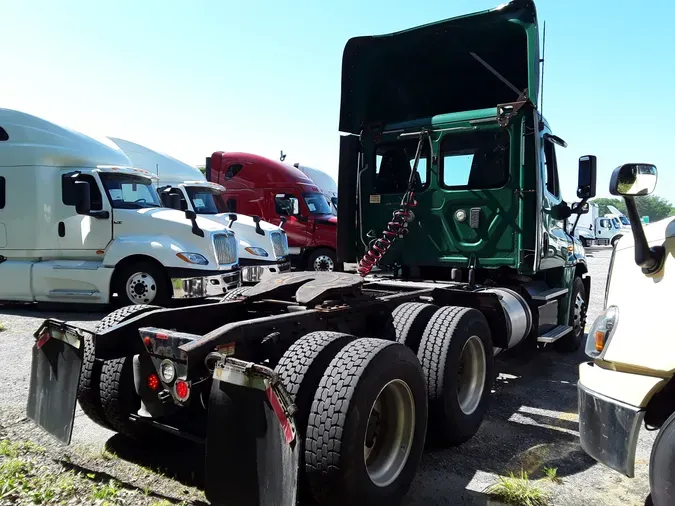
(656, 233)
(163, 216)
(428, 70)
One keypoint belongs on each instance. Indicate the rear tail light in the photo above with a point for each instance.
(182, 390)
(153, 382)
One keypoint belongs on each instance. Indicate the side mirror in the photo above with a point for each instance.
(173, 200)
(630, 180)
(190, 215)
(633, 179)
(587, 176)
(83, 205)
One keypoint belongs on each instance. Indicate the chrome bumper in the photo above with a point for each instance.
(252, 274)
(609, 430)
(205, 286)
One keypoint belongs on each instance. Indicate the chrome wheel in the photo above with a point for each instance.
(323, 263)
(141, 288)
(579, 323)
(390, 432)
(471, 375)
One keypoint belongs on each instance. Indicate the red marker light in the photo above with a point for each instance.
(147, 341)
(182, 389)
(153, 382)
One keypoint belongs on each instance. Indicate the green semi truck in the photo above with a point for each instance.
(326, 385)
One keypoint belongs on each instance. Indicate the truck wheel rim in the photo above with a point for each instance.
(323, 263)
(141, 288)
(471, 375)
(579, 314)
(389, 433)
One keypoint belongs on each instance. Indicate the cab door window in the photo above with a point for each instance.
(551, 166)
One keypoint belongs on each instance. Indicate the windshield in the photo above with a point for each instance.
(317, 203)
(126, 191)
(616, 223)
(204, 201)
(624, 220)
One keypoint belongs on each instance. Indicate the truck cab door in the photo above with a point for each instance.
(298, 225)
(83, 235)
(556, 241)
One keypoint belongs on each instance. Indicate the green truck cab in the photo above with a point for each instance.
(487, 188)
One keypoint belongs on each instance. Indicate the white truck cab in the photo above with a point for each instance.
(630, 379)
(595, 230)
(262, 247)
(79, 224)
(324, 182)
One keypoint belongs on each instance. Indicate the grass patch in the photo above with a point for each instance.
(12, 449)
(106, 491)
(552, 474)
(518, 491)
(20, 478)
(3, 326)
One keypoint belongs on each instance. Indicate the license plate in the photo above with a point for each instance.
(54, 377)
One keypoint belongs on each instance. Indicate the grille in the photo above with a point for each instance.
(226, 248)
(279, 243)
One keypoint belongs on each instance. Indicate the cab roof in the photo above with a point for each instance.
(33, 141)
(255, 170)
(168, 169)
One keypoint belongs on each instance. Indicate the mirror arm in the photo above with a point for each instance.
(579, 207)
(649, 259)
(99, 215)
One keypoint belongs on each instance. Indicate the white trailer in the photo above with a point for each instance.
(595, 230)
(263, 247)
(79, 224)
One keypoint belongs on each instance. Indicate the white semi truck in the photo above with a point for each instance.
(80, 224)
(263, 247)
(595, 230)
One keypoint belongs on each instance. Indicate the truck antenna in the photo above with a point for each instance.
(543, 58)
(282, 157)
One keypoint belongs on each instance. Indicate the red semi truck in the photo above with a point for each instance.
(258, 186)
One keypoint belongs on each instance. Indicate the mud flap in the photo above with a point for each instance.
(252, 451)
(54, 376)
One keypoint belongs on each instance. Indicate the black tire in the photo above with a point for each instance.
(410, 320)
(88, 389)
(339, 420)
(577, 319)
(315, 256)
(118, 393)
(158, 292)
(445, 336)
(662, 465)
(300, 370)
(303, 365)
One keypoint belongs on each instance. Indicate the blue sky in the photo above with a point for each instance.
(189, 78)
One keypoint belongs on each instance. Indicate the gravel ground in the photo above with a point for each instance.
(532, 423)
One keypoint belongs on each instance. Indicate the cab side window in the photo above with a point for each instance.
(3, 185)
(286, 205)
(551, 165)
(233, 170)
(69, 197)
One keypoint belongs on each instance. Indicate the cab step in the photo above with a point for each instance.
(547, 295)
(554, 334)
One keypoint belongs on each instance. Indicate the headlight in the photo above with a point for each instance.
(193, 258)
(601, 332)
(259, 252)
(167, 370)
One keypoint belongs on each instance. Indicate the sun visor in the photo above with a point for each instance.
(433, 69)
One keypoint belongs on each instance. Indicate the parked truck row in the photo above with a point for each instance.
(326, 385)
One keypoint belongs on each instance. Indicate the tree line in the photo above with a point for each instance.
(653, 206)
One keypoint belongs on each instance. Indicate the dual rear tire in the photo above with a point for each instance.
(366, 407)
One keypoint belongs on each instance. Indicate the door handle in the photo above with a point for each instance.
(62, 229)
